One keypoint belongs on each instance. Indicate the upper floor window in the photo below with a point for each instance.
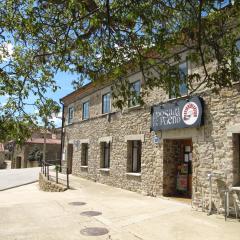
(181, 89)
(219, 4)
(106, 103)
(70, 114)
(85, 111)
(135, 89)
(238, 50)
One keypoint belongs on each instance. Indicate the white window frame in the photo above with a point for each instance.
(103, 95)
(130, 101)
(83, 104)
(178, 65)
(70, 120)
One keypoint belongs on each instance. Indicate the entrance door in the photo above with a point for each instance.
(69, 157)
(18, 162)
(236, 159)
(177, 167)
(184, 169)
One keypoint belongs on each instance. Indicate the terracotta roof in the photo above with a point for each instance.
(41, 141)
(1, 147)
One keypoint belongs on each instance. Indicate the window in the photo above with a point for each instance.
(70, 114)
(105, 153)
(238, 51)
(135, 89)
(134, 156)
(219, 4)
(181, 89)
(85, 114)
(84, 154)
(106, 103)
(235, 63)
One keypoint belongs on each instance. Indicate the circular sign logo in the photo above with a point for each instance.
(190, 113)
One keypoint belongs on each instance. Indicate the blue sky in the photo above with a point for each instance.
(63, 80)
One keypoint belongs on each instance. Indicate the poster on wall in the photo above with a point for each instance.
(182, 182)
(183, 113)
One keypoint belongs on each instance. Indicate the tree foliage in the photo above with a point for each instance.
(35, 154)
(103, 40)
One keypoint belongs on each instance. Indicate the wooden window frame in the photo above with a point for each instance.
(84, 154)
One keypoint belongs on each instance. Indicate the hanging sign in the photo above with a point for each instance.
(183, 113)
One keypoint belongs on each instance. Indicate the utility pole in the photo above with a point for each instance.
(45, 140)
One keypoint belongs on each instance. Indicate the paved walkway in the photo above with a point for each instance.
(10, 178)
(30, 214)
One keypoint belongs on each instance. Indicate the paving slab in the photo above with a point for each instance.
(27, 213)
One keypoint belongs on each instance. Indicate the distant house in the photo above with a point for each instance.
(29, 154)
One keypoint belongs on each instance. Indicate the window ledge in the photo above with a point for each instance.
(83, 166)
(137, 107)
(92, 118)
(133, 174)
(84, 120)
(177, 98)
(104, 169)
(105, 114)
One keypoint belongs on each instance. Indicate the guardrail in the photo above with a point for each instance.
(54, 177)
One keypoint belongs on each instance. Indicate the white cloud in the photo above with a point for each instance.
(57, 121)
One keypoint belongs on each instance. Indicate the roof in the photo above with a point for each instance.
(78, 91)
(41, 141)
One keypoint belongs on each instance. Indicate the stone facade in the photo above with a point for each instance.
(215, 144)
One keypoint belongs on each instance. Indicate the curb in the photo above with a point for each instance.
(8, 188)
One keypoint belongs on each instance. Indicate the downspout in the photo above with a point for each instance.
(62, 135)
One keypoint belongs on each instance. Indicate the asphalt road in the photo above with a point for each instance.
(10, 178)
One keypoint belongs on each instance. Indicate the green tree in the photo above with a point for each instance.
(103, 40)
(35, 154)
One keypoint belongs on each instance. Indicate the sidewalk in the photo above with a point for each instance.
(30, 214)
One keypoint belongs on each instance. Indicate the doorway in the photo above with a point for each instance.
(236, 159)
(69, 157)
(177, 168)
(18, 162)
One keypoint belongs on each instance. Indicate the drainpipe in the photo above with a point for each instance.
(210, 192)
(62, 135)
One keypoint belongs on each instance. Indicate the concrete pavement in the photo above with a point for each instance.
(27, 213)
(10, 178)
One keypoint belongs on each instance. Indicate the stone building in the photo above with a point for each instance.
(167, 147)
(21, 156)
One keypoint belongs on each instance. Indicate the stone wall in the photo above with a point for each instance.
(50, 186)
(214, 148)
(2, 160)
(171, 154)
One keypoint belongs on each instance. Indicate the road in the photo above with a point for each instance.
(10, 178)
